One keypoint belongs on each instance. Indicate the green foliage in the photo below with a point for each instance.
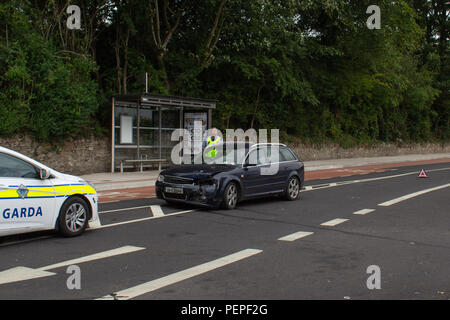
(310, 68)
(44, 91)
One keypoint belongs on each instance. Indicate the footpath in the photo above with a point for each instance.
(134, 185)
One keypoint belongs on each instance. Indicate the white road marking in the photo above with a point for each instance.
(95, 256)
(24, 273)
(143, 219)
(364, 211)
(123, 209)
(331, 185)
(412, 195)
(296, 236)
(95, 224)
(156, 211)
(181, 275)
(333, 222)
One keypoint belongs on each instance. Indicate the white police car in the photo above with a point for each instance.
(34, 197)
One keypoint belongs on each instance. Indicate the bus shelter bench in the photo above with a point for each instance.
(141, 162)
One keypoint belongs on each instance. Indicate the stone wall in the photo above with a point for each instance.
(93, 155)
(73, 156)
(327, 151)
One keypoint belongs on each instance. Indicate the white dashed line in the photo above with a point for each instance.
(364, 211)
(333, 222)
(295, 236)
(156, 211)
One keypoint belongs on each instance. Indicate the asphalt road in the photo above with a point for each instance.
(167, 252)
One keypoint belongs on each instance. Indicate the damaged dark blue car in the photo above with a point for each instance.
(236, 172)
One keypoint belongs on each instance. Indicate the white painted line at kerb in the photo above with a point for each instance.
(123, 209)
(364, 211)
(156, 211)
(343, 183)
(24, 273)
(181, 275)
(412, 195)
(296, 236)
(333, 222)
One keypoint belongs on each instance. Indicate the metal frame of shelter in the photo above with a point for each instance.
(142, 125)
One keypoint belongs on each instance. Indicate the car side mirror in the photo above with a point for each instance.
(44, 174)
(247, 164)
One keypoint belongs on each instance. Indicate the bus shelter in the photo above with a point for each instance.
(142, 127)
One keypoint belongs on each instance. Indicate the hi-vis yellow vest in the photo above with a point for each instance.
(209, 142)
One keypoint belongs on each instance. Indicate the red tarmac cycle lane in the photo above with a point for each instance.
(149, 192)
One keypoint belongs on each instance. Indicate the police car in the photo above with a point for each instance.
(34, 197)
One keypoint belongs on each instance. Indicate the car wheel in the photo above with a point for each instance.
(293, 189)
(73, 217)
(230, 197)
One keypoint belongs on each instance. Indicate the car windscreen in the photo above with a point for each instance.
(222, 154)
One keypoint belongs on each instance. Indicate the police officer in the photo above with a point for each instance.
(212, 140)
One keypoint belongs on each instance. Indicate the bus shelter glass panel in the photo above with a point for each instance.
(125, 133)
(170, 121)
(149, 133)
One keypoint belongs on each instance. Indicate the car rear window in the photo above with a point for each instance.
(286, 155)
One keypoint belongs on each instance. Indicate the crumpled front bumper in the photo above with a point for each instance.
(195, 194)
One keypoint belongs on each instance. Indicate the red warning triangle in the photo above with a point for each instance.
(423, 174)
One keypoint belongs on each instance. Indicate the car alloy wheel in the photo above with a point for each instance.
(231, 196)
(73, 217)
(293, 189)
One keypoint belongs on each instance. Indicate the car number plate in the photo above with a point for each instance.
(174, 190)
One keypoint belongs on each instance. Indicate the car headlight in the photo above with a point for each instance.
(160, 178)
(88, 183)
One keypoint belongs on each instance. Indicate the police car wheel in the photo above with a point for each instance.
(293, 189)
(73, 217)
(231, 196)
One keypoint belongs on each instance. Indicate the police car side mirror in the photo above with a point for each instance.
(44, 174)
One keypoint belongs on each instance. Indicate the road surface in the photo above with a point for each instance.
(323, 246)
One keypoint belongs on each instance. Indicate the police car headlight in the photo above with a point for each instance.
(160, 178)
(91, 184)
(88, 183)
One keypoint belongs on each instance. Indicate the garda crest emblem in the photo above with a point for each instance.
(22, 191)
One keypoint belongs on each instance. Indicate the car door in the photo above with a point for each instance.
(27, 203)
(252, 179)
(273, 170)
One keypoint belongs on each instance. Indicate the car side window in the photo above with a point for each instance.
(286, 154)
(13, 167)
(257, 157)
(273, 152)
